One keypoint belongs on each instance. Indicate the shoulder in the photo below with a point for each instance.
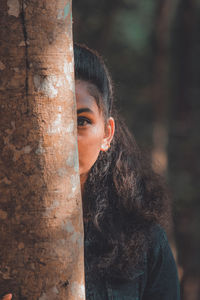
(162, 278)
(159, 252)
(158, 238)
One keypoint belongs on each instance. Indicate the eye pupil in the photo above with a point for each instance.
(81, 121)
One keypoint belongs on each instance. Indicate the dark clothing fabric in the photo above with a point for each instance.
(157, 281)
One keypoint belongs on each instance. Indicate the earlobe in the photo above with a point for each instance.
(104, 147)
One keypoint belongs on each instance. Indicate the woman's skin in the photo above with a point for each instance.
(7, 297)
(94, 133)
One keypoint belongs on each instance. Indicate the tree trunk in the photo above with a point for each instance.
(41, 230)
(185, 143)
(161, 85)
(161, 95)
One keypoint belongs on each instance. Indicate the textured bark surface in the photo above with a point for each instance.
(41, 235)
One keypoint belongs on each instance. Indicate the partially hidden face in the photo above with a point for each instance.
(94, 132)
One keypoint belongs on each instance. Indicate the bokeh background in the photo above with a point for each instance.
(152, 48)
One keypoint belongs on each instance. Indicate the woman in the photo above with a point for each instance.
(127, 255)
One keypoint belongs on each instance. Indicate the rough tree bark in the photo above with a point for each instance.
(41, 232)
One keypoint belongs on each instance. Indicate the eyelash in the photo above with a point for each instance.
(83, 119)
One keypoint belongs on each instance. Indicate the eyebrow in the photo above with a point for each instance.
(81, 110)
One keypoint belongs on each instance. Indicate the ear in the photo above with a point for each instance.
(109, 133)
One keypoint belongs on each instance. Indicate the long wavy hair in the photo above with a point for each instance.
(123, 198)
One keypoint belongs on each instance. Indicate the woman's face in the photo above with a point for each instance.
(94, 134)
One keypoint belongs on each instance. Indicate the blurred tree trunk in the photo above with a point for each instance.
(161, 95)
(165, 12)
(41, 230)
(185, 142)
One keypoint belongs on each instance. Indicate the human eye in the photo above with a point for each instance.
(83, 121)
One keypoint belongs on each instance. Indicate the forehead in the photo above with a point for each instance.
(85, 96)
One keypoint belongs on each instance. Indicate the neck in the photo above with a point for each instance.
(83, 178)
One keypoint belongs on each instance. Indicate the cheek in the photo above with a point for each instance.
(88, 147)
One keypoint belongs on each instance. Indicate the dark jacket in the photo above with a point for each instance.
(157, 281)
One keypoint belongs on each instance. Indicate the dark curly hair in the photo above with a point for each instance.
(123, 198)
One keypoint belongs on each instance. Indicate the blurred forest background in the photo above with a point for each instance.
(152, 48)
